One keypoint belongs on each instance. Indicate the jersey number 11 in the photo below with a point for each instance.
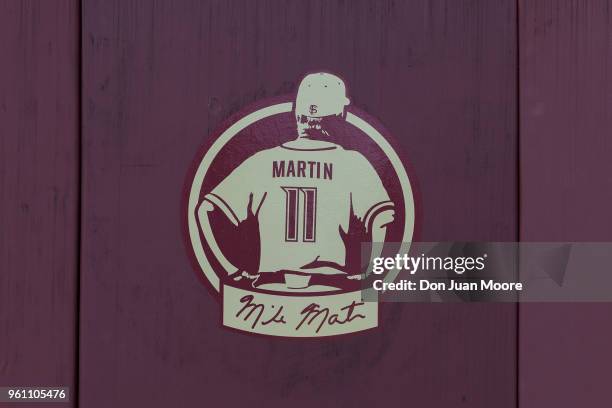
(292, 213)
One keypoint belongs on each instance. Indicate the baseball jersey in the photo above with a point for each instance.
(302, 195)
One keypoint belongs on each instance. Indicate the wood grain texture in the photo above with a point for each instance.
(566, 190)
(159, 76)
(38, 192)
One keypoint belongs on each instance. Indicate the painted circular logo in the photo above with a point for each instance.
(280, 203)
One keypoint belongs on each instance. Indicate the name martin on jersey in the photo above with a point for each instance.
(301, 168)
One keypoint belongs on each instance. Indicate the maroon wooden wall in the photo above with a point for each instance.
(159, 76)
(38, 191)
(566, 190)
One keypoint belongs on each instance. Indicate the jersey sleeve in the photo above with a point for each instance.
(238, 192)
(368, 194)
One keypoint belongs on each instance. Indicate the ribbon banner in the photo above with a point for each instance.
(306, 315)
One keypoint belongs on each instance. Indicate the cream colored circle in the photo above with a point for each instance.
(233, 130)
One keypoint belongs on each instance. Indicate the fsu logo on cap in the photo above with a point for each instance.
(279, 204)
